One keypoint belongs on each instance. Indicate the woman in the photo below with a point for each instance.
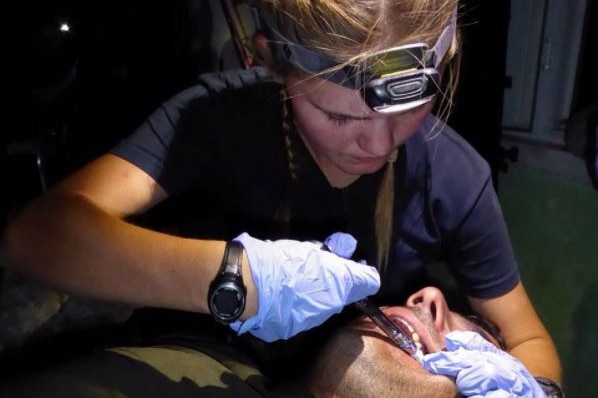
(336, 134)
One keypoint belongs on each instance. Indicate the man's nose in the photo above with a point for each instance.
(377, 137)
(431, 300)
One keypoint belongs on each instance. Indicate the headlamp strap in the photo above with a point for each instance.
(351, 76)
(444, 42)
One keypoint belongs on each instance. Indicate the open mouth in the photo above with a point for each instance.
(410, 332)
(417, 327)
(414, 332)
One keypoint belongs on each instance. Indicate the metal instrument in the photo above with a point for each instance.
(400, 337)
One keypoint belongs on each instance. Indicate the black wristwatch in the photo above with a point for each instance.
(551, 388)
(226, 297)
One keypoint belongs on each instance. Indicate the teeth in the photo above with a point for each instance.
(414, 336)
(408, 326)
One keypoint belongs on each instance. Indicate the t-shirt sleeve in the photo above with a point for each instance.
(470, 219)
(151, 147)
(179, 144)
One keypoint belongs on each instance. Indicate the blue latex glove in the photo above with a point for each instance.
(341, 244)
(480, 369)
(300, 286)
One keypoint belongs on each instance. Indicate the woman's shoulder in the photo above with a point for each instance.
(257, 81)
(205, 125)
(443, 154)
(236, 79)
(235, 102)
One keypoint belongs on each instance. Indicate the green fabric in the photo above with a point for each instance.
(145, 372)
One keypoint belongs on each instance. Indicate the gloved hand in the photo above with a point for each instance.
(480, 369)
(341, 244)
(300, 285)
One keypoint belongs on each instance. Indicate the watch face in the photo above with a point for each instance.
(227, 301)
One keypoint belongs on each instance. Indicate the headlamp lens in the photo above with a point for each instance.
(403, 91)
(398, 59)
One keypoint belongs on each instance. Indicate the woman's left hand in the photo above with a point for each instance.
(480, 369)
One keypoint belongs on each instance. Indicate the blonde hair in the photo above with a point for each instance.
(350, 31)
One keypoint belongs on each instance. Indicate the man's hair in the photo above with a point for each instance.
(489, 327)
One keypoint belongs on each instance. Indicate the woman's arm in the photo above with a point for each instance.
(525, 335)
(74, 238)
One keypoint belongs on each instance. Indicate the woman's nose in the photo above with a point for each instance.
(377, 137)
(431, 300)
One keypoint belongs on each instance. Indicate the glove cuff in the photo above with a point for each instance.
(551, 388)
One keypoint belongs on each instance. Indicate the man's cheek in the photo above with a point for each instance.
(405, 360)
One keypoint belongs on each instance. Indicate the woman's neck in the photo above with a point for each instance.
(335, 177)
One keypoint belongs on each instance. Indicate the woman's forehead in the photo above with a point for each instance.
(330, 96)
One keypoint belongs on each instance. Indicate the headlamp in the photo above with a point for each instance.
(393, 80)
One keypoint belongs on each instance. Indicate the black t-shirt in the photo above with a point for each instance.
(221, 140)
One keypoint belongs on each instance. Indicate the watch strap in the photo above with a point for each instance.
(233, 257)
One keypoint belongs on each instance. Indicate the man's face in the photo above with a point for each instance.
(427, 316)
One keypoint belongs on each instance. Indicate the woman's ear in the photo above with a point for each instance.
(262, 50)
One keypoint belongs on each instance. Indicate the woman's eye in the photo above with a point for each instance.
(337, 119)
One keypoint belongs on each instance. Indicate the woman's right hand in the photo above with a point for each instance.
(299, 286)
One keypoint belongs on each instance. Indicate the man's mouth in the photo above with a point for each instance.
(410, 332)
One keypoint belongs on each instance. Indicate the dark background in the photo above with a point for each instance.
(479, 101)
(70, 96)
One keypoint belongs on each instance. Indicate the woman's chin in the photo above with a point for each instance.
(359, 166)
(342, 174)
